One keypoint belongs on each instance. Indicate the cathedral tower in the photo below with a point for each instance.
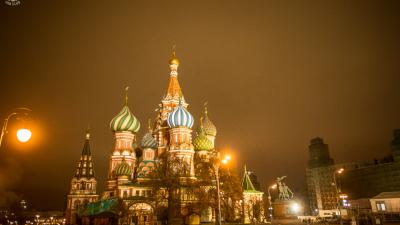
(83, 184)
(146, 168)
(125, 126)
(181, 150)
(171, 99)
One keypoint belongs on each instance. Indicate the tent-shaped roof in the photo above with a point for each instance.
(247, 185)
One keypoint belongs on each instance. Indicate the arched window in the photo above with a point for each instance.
(76, 204)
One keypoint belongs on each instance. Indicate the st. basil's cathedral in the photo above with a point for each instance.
(136, 167)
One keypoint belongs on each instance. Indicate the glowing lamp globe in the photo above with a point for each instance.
(24, 135)
(296, 208)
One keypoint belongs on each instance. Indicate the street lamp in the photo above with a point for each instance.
(269, 199)
(295, 208)
(23, 134)
(338, 191)
(216, 165)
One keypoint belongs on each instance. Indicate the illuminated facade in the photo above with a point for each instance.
(135, 167)
(252, 205)
(83, 184)
(378, 175)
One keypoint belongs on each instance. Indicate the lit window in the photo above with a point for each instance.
(380, 206)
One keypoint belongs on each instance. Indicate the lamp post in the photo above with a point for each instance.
(269, 199)
(339, 171)
(217, 165)
(22, 134)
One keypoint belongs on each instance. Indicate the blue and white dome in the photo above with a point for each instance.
(180, 117)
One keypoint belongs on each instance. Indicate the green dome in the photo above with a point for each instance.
(201, 142)
(125, 121)
(123, 169)
(148, 141)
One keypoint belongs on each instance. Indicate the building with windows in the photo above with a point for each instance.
(325, 185)
(386, 202)
(322, 191)
(83, 184)
(252, 204)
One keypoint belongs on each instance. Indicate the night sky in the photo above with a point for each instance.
(275, 74)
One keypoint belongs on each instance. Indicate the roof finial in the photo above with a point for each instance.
(149, 124)
(206, 107)
(126, 95)
(180, 100)
(88, 132)
(173, 50)
(245, 169)
(174, 60)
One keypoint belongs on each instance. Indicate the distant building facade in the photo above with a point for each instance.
(324, 184)
(386, 202)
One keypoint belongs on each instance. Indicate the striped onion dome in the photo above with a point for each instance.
(125, 121)
(123, 169)
(148, 141)
(180, 117)
(201, 142)
(209, 127)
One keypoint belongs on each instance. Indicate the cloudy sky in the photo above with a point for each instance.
(275, 74)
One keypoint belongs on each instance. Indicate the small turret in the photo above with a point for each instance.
(123, 171)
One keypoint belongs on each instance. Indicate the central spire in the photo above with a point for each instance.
(174, 91)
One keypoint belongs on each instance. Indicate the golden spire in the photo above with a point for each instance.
(126, 95)
(174, 60)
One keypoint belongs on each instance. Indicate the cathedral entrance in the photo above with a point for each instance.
(141, 214)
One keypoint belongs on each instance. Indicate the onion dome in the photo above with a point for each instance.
(174, 60)
(201, 142)
(180, 117)
(209, 127)
(148, 141)
(125, 120)
(123, 169)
